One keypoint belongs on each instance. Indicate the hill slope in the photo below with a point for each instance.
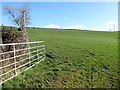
(80, 59)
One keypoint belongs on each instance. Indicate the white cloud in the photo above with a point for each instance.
(69, 27)
(110, 23)
(104, 29)
(112, 26)
(109, 27)
(52, 26)
(74, 27)
(100, 29)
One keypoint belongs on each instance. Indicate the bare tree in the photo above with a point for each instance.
(19, 16)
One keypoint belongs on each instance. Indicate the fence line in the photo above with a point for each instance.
(34, 53)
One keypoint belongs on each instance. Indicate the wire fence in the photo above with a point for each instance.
(14, 60)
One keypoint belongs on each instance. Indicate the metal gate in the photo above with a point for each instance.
(19, 59)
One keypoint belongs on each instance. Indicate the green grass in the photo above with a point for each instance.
(75, 59)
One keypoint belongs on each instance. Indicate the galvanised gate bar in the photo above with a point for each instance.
(17, 60)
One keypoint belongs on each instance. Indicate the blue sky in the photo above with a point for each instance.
(77, 15)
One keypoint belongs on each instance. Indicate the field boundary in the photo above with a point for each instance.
(33, 54)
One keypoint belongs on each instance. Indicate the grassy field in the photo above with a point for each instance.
(75, 59)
